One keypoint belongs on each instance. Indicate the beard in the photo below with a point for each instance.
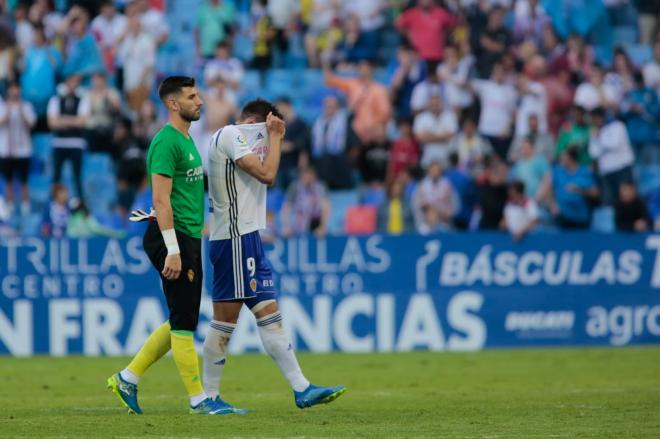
(190, 116)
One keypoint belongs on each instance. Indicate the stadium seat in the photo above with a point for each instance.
(360, 220)
(250, 81)
(639, 54)
(275, 199)
(100, 182)
(648, 178)
(603, 220)
(42, 145)
(373, 196)
(312, 78)
(110, 219)
(30, 224)
(625, 35)
(340, 201)
(39, 185)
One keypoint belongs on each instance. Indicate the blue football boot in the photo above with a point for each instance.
(314, 395)
(127, 393)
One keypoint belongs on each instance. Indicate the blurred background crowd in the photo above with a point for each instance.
(402, 116)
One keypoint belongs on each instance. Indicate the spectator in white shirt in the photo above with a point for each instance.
(530, 21)
(498, 104)
(224, 67)
(434, 129)
(610, 146)
(24, 31)
(595, 93)
(471, 148)
(17, 117)
(455, 71)
(651, 70)
(138, 54)
(533, 101)
(152, 20)
(421, 94)
(543, 142)
(42, 12)
(108, 27)
(370, 13)
(620, 79)
(434, 192)
(521, 214)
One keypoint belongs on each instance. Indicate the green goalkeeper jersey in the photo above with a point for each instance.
(174, 155)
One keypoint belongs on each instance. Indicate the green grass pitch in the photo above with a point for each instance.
(552, 393)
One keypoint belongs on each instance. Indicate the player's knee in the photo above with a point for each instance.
(264, 308)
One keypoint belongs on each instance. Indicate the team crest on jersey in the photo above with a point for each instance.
(191, 275)
(253, 285)
(241, 139)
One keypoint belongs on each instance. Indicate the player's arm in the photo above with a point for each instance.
(266, 171)
(162, 188)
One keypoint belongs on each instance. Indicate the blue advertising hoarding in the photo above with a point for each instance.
(367, 294)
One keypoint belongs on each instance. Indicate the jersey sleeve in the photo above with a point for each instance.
(53, 107)
(234, 143)
(164, 157)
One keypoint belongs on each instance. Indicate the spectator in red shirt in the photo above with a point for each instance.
(425, 27)
(404, 152)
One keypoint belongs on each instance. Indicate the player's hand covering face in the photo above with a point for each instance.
(275, 125)
(189, 104)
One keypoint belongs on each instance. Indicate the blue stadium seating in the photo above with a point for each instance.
(648, 177)
(639, 54)
(340, 201)
(625, 35)
(603, 220)
(373, 196)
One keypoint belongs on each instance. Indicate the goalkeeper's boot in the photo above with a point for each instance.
(127, 393)
(210, 407)
(225, 405)
(314, 395)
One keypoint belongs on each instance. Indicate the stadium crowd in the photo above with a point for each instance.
(515, 115)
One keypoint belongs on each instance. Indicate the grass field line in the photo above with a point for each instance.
(515, 394)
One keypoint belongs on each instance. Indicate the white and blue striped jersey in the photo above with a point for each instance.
(237, 200)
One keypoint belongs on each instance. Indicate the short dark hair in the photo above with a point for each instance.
(573, 152)
(518, 186)
(598, 112)
(259, 108)
(173, 85)
(453, 159)
(283, 100)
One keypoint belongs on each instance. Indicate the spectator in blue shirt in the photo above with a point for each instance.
(38, 79)
(531, 168)
(465, 189)
(574, 188)
(355, 46)
(587, 18)
(83, 54)
(641, 112)
(406, 72)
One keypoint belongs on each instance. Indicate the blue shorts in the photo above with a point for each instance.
(241, 270)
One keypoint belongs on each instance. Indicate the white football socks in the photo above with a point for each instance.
(278, 347)
(215, 355)
(197, 399)
(129, 376)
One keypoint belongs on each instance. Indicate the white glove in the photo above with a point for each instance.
(140, 215)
